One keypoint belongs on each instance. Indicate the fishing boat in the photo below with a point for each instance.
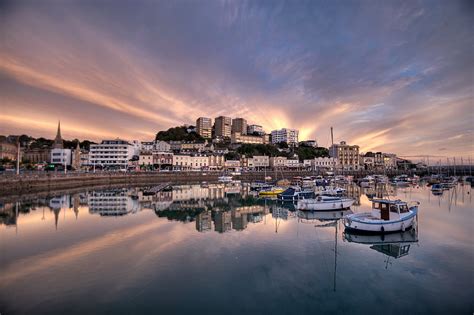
(325, 203)
(225, 179)
(295, 193)
(272, 191)
(386, 216)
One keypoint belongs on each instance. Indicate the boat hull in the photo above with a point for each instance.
(324, 206)
(380, 226)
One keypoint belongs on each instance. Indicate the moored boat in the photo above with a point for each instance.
(295, 193)
(272, 191)
(386, 216)
(324, 203)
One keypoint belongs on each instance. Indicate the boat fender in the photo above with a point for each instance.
(342, 205)
(334, 205)
(403, 227)
(382, 229)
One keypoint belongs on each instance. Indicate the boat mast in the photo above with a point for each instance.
(332, 147)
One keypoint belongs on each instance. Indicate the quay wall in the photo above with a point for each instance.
(38, 182)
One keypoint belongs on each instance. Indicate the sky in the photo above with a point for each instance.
(391, 76)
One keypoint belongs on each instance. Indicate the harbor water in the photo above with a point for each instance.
(219, 249)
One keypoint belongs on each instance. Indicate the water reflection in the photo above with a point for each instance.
(251, 246)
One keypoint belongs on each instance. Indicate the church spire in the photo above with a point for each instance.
(58, 141)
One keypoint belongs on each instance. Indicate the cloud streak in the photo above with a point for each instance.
(392, 76)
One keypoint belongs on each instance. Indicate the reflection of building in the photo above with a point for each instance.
(223, 221)
(204, 221)
(112, 203)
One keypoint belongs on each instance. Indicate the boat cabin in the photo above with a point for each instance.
(388, 209)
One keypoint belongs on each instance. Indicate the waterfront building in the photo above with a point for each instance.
(289, 136)
(145, 158)
(308, 163)
(58, 140)
(259, 161)
(161, 146)
(347, 155)
(37, 155)
(368, 160)
(8, 150)
(239, 125)
(204, 127)
(162, 159)
(292, 163)
(112, 153)
(234, 165)
(190, 162)
(237, 137)
(61, 156)
(278, 161)
(324, 162)
(84, 159)
(223, 127)
(255, 129)
(216, 161)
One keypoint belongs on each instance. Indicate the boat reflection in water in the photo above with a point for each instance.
(394, 245)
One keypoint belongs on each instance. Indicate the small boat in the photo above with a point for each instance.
(259, 186)
(295, 193)
(386, 216)
(272, 191)
(331, 191)
(325, 203)
(225, 179)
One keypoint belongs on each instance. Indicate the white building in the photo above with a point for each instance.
(292, 163)
(324, 162)
(61, 156)
(145, 158)
(112, 153)
(190, 162)
(255, 129)
(259, 161)
(278, 161)
(289, 136)
(147, 145)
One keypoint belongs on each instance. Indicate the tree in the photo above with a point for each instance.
(309, 153)
(178, 134)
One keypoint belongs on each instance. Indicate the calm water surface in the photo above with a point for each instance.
(219, 250)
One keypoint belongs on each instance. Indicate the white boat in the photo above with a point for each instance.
(225, 179)
(331, 191)
(325, 203)
(386, 216)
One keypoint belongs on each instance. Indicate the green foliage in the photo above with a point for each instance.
(259, 149)
(308, 153)
(282, 145)
(178, 134)
(232, 156)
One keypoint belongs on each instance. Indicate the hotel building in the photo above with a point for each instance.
(112, 153)
(223, 126)
(204, 127)
(347, 155)
(289, 136)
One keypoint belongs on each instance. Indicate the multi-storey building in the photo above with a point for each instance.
(347, 155)
(255, 129)
(145, 158)
(204, 127)
(193, 146)
(239, 125)
(292, 163)
(37, 155)
(260, 161)
(61, 156)
(324, 162)
(289, 136)
(216, 161)
(147, 146)
(223, 126)
(112, 153)
(237, 137)
(190, 162)
(390, 161)
(162, 159)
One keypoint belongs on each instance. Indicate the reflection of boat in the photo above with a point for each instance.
(386, 216)
(324, 203)
(394, 245)
(323, 215)
(437, 189)
(295, 193)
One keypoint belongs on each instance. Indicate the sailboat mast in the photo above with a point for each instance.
(332, 148)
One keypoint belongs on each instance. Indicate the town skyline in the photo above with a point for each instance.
(398, 79)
